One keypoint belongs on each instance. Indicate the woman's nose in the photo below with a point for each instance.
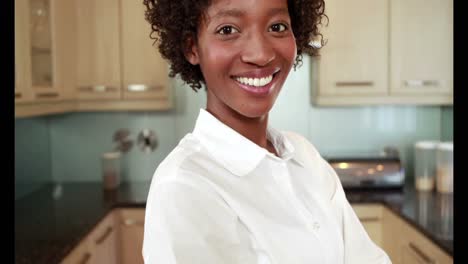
(258, 50)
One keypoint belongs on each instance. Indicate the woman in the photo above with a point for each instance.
(236, 190)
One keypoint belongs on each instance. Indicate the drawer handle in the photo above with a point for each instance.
(18, 95)
(97, 88)
(421, 254)
(364, 83)
(132, 222)
(421, 83)
(104, 236)
(47, 94)
(369, 219)
(143, 88)
(85, 258)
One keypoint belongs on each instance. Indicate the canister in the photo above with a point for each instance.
(425, 165)
(444, 156)
(111, 170)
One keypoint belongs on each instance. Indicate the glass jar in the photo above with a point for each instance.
(425, 165)
(111, 170)
(444, 166)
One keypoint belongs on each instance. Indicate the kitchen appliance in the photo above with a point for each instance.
(369, 171)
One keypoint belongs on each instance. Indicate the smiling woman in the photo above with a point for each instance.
(236, 190)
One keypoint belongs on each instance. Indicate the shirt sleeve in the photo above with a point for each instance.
(184, 224)
(358, 246)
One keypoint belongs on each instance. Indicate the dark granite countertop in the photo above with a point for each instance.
(52, 220)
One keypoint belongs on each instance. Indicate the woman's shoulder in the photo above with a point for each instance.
(188, 160)
(301, 144)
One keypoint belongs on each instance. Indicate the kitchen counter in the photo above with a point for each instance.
(51, 221)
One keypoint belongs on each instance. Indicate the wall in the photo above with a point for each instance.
(78, 139)
(32, 155)
(447, 123)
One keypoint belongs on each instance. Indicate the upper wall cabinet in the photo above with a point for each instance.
(355, 59)
(44, 48)
(422, 48)
(118, 68)
(385, 52)
(86, 55)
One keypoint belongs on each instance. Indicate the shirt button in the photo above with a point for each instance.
(315, 226)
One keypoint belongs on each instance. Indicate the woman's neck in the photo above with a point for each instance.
(253, 129)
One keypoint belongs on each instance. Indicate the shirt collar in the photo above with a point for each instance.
(234, 151)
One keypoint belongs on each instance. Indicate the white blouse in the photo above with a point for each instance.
(220, 198)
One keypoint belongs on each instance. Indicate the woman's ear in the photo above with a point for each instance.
(191, 51)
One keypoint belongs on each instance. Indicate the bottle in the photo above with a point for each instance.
(444, 156)
(425, 165)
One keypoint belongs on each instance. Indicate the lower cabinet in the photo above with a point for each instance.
(117, 239)
(131, 224)
(402, 242)
(99, 247)
(370, 216)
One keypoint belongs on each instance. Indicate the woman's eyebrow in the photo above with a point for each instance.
(240, 13)
(229, 13)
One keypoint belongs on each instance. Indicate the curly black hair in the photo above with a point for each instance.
(174, 22)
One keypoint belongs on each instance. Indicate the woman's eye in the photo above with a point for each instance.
(278, 27)
(226, 30)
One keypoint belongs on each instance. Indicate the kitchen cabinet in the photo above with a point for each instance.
(117, 66)
(354, 61)
(416, 248)
(131, 223)
(87, 55)
(371, 216)
(23, 91)
(117, 239)
(43, 56)
(422, 59)
(100, 246)
(380, 52)
(401, 241)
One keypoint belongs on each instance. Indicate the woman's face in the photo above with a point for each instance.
(245, 49)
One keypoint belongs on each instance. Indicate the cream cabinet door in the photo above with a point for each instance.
(422, 49)
(80, 254)
(44, 57)
(144, 72)
(370, 216)
(131, 230)
(416, 248)
(104, 241)
(98, 49)
(23, 92)
(354, 60)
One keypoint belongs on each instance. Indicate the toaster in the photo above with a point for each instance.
(369, 172)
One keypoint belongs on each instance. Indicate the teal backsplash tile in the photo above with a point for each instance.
(77, 140)
(447, 123)
(32, 155)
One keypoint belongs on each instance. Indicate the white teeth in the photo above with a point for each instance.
(255, 81)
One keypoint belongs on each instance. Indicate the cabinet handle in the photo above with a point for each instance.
(104, 236)
(132, 222)
(363, 83)
(369, 219)
(18, 95)
(47, 94)
(420, 83)
(97, 88)
(143, 88)
(85, 258)
(421, 254)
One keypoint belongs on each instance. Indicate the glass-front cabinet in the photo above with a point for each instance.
(43, 50)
